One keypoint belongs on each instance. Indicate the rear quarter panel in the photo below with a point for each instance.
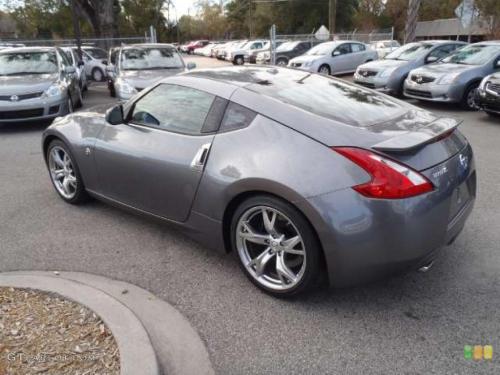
(272, 158)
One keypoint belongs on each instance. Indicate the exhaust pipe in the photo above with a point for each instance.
(426, 268)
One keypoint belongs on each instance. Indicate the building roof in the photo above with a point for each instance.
(451, 26)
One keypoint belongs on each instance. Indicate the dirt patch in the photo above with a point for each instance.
(44, 333)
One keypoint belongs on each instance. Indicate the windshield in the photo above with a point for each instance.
(96, 53)
(287, 46)
(21, 63)
(477, 54)
(410, 51)
(321, 49)
(150, 58)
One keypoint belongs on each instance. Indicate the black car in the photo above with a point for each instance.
(488, 94)
(286, 51)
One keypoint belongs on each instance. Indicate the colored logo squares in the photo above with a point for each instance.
(478, 352)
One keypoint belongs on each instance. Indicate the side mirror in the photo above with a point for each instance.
(431, 59)
(69, 70)
(191, 65)
(336, 53)
(114, 116)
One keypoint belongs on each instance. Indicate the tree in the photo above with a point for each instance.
(102, 15)
(490, 9)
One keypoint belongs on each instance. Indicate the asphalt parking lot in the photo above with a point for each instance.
(409, 324)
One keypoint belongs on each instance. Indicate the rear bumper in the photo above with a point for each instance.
(37, 109)
(365, 239)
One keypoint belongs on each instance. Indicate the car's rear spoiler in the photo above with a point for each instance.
(418, 138)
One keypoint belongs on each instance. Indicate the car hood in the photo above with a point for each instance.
(436, 70)
(26, 84)
(380, 65)
(145, 78)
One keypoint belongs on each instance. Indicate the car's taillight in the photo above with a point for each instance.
(389, 179)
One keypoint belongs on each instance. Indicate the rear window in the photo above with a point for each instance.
(328, 97)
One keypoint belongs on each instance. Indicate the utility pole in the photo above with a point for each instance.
(250, 23)
(332, 14)
(76, 29)
(411, 20)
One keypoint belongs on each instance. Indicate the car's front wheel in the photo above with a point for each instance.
(64, 173)
(276, 246)
(324, 69)
(469, 98)
(239, 60)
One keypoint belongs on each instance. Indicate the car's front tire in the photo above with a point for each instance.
(324, 69)
(64, 173)
(276, 246)
(282, 62)
(469, 98)
(239, 60)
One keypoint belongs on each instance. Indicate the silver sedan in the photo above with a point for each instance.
(258, 162)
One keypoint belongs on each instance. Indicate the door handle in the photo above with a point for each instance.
(201, 157)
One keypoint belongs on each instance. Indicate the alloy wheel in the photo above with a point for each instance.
(271, 248)
(324, 70)
(471, 100)
(62, 172)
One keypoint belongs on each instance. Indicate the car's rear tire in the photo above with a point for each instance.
(79, 102)
(324, 69)
(280, 255)
(64, 173)
(469, 99)
(97, 74)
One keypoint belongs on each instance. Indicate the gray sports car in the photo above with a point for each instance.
(299, 174)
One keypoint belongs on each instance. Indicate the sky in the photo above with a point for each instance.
(184, 7)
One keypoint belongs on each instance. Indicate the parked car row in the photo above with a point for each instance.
(439, 71)
(41, 83)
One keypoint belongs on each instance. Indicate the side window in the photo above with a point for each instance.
(356, 47)
(64, 58)
(236, 117)
(174, 108)
(343, 49)
(257, 45)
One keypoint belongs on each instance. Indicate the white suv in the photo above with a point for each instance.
(95, 60)
(237, 55)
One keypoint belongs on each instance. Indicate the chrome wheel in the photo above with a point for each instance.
(271, 248)
(62, 172)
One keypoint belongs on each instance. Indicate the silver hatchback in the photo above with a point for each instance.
(36, 83)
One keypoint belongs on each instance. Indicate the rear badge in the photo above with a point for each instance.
(440, 173)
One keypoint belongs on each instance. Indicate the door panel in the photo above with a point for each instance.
(151, 162)
(149, 169)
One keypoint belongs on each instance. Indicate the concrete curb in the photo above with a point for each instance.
(179, 349)
(137, 355)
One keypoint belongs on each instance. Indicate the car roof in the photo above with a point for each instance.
(244, 76)
(489, 43)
